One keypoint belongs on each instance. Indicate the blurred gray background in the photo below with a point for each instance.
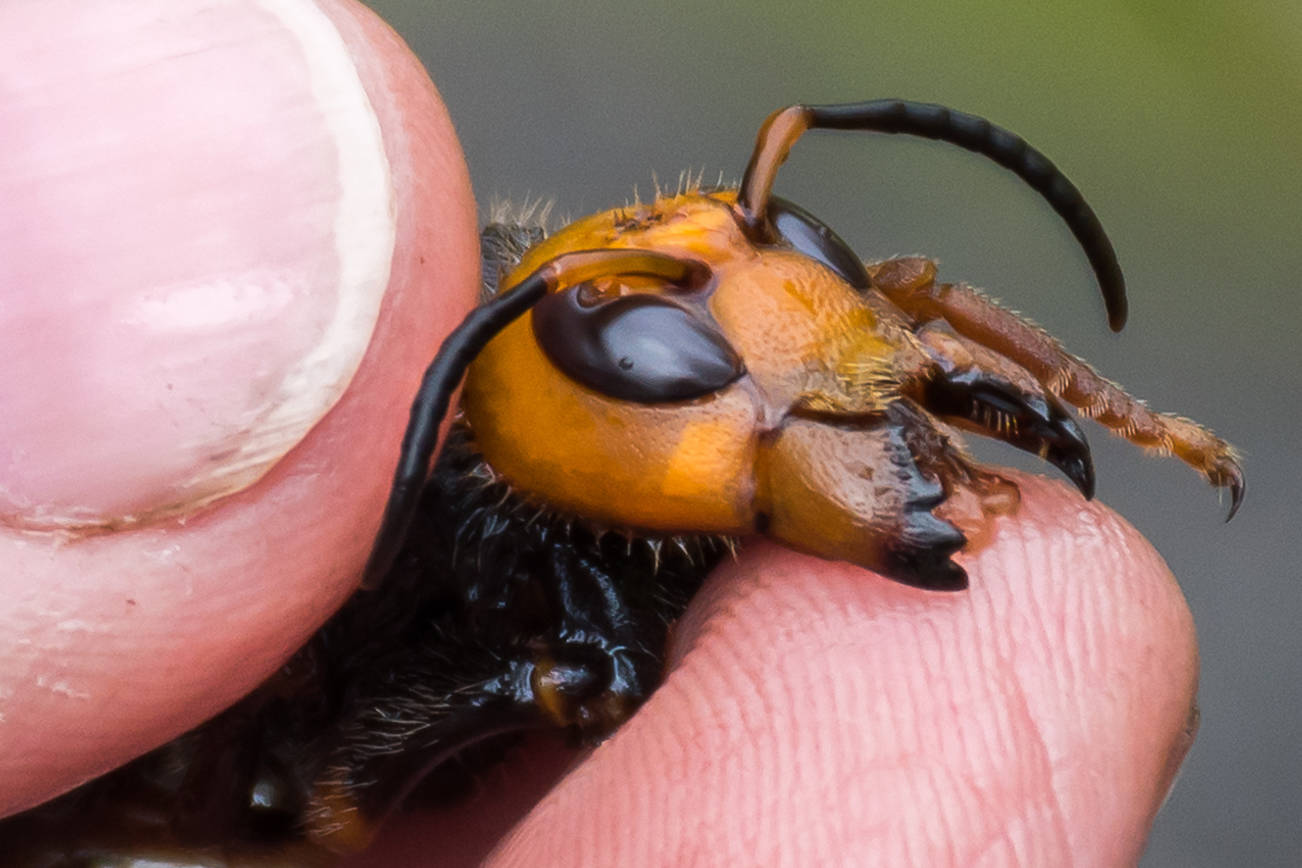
(1180, 121)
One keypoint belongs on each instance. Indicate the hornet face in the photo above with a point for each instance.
(772, 397)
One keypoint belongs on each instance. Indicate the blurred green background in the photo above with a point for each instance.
(1180, 121)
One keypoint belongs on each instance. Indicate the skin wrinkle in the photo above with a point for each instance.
(986, 806)
(1090, 603)
(1076, 669)
(1084, 601)
(845, 697)
(929, 635)
(739, 682)
(944, 782)
(831, 725)
(1020, 705)
(972, 782)
(696, 697)
(1089, 663)
(1015, 693)
(783, 765)
(1012, 696)
(998, 840)
(948, 772)
(1002, 847)
(738, 748)
(993, 730)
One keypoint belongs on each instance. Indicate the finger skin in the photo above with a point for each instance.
(150, 178)
(816, 714)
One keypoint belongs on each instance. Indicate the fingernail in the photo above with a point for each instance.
(195, 241)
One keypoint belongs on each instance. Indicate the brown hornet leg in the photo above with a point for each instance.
(910, 284)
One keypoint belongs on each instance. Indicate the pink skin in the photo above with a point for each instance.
(814, 712)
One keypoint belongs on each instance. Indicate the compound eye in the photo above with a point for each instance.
(642, 348)
(814, 238)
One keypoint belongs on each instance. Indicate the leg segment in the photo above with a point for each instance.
(910, 284)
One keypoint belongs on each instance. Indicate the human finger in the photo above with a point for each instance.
(231, 237)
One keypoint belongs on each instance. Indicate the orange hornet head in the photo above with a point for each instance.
(756, 399)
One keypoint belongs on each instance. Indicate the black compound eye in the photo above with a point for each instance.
(641, 348)
(814, 238)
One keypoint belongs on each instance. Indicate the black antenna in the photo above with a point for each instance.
(974, 133)
(430, 406)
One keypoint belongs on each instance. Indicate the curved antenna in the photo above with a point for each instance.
(460, 349)
(783, 127)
